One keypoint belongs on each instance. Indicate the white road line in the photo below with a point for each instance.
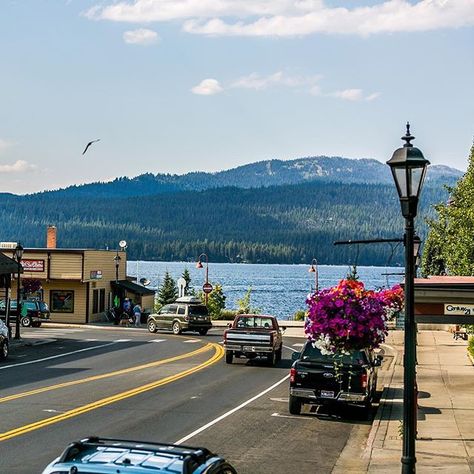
(298, 344)
(291, 349)
(122, 340)
(57, 356)
(191, 341)
(157, 340)
(230, 412)
(91, 340)
(294, 417)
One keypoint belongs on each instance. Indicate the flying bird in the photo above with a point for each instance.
(89, 144)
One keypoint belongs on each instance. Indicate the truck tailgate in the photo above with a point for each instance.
(248, 338)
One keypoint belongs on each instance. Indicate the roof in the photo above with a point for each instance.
(132, 287)
(8, 265)
(445, 281)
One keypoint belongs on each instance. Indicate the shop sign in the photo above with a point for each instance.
(8, 245)
(96, 274)
(459, 309)
(30, 265)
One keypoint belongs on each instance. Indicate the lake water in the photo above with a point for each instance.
(276, 289)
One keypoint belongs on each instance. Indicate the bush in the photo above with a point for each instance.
(228, 314)
(299, 315)
(470, 346)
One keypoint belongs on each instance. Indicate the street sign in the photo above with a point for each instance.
(207, 288)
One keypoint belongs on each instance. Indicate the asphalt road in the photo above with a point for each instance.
(128, 383)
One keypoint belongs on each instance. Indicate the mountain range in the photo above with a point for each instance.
(267, 212)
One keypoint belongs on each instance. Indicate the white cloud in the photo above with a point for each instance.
(207, 87)
(20, 166)
(141, 36)
(257, 82)
(291, 17)
(354, 95)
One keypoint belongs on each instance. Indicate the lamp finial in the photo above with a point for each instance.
(408, 137)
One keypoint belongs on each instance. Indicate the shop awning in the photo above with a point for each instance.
(132, 287)
(8, 265)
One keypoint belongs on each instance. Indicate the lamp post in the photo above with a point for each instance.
(199, 265)
(117, 259)
(314, 269)
(408, 166)
(18, 256)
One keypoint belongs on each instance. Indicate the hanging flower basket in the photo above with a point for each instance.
(348, 317)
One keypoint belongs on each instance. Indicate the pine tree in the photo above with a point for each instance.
(216, 301)
(168, 290)
(187, 289)
(450, 245)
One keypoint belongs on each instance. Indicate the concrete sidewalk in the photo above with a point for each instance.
(445, 375)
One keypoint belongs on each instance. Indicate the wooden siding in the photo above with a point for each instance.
(103, 260)
(80, 297)
(65, 266)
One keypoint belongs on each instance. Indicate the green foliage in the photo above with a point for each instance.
(470, 346)
(188, 291)
(216, 301)
(450, 244)
(228, 314)
(299, 315)
(244, 304)
(168, 291)
(352, 274)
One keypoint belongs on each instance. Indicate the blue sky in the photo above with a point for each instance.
(171, 86)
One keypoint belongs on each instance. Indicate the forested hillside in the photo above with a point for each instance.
(280, 224)
(320, 169)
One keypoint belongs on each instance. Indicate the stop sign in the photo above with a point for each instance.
(207, 287)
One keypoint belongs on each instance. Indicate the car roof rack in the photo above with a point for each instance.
(188, 299)
(190, 455)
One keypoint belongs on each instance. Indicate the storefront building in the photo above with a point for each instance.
(78, 285)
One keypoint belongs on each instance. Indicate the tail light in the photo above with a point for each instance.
(293, 374)
(271, 338)
(363, 380)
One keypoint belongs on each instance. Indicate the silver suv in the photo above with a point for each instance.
(187, 313)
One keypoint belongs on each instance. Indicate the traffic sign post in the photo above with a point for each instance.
(207, 288)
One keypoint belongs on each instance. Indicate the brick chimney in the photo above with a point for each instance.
(51, 237)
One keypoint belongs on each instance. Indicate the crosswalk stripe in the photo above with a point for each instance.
(122, 340)
(157, 340)
(191, 341)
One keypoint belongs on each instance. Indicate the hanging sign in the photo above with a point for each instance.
(96, 274)
(459, 309)
(30, 265)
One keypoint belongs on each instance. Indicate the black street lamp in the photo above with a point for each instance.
(314, 269)
(18, 254)
(117, 259)
(408, 167)
(199, 265)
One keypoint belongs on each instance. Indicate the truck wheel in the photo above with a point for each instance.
(278, 354)
(294, 405)
(229, 355)
(176, 328)
(26, 321)
(151, 326)
(272, 358)
(203, 331)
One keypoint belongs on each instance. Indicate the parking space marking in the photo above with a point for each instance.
(230, 412)
(57, 356)
(277, 415)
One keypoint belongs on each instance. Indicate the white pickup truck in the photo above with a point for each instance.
(253, 335)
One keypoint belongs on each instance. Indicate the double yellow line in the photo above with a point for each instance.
(218, 353)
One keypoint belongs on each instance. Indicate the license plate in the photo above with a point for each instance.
(327, 394)
(249, 349)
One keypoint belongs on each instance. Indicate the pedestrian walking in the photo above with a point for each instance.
(137, 313)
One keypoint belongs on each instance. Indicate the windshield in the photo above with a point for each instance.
(255, 322)
(198, 310)
(43, 306)
(313, 354)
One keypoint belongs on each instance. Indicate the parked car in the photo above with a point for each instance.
(37, 312)
(254, 335)
(4, 347)
(105, 455)
(187, 313)
(315, 379)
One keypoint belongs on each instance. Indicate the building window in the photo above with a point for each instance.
(95, 301)
(62, 301)
(102, 300)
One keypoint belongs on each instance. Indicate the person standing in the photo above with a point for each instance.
(137, 313)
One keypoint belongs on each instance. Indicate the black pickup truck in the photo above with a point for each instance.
(325, 379)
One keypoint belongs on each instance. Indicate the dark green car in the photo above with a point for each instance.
(185, 314)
